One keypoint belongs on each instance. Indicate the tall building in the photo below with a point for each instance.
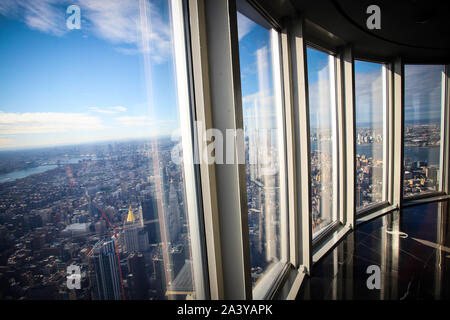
(104, 264)
(139, 281)
(173, 218)
(134, 237)
(150, 219)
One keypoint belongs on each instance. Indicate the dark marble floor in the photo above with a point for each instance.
(410, 247)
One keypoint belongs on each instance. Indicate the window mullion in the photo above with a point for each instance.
(302, 137)
(397, 192)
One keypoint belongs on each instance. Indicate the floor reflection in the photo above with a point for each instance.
(411, 250)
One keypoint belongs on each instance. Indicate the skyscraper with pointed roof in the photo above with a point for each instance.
(134, 236)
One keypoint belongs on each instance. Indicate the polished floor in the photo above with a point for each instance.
(409, 248)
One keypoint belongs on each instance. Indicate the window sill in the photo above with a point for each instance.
(373, 215)
(371, 209)
(332, 240)
(409, 202)
(290, 286)
(270, 282)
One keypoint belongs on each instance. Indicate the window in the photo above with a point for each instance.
(323, 138)
(370, 133)
(263, 127)
(422, 129)
(93, 173)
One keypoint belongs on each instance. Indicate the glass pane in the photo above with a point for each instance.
(262, 130)
(370, 133)
(422, 144)
(322, 112)
(90, 189)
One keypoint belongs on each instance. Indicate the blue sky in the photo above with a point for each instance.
(368, 94)
(60, 86)
(255, 56)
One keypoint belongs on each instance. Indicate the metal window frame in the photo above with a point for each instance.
(264, 288)
(202, 96)
(298, 148)
(282, 157)
(217, 79)
(336, 129)
(190, 170)
(347, 111)
(446, 134)
(396, 106)
(443, 150)
(387, 142)
(215, 58)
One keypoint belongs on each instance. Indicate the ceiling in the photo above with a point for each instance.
(416, 30)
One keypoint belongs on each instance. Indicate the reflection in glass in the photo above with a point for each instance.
(88, 179)
(422, 129)
(322, 112)
(261, 108)
(370, 133)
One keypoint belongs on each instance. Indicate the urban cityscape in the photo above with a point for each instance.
(97, 209)
(96, 206)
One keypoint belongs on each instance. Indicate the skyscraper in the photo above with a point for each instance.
(150, 219)
(103, 262)
(134, 237)
(139, 284)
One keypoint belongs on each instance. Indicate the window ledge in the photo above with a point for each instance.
(376, 214)
(414, 202)
(292, 282)
(333, 239)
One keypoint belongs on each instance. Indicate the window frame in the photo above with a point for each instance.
(443, 149)
(270, 280)
(186, 104)
(303, 250)
(388, 139)
(337, 221)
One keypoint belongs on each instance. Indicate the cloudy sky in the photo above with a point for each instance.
(61, 86)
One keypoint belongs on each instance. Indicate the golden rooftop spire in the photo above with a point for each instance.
(131, 217)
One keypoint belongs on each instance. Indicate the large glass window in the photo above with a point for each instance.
(262, 110)
(371, 118)
(323, 138)
(93, 186)
(422, 129)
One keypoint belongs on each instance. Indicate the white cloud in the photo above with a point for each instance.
(108, 110)
(133, 26)
(42, 15)
(245, 25)
(46, 122)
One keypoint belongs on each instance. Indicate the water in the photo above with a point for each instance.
(20, 174)
(428, 154)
